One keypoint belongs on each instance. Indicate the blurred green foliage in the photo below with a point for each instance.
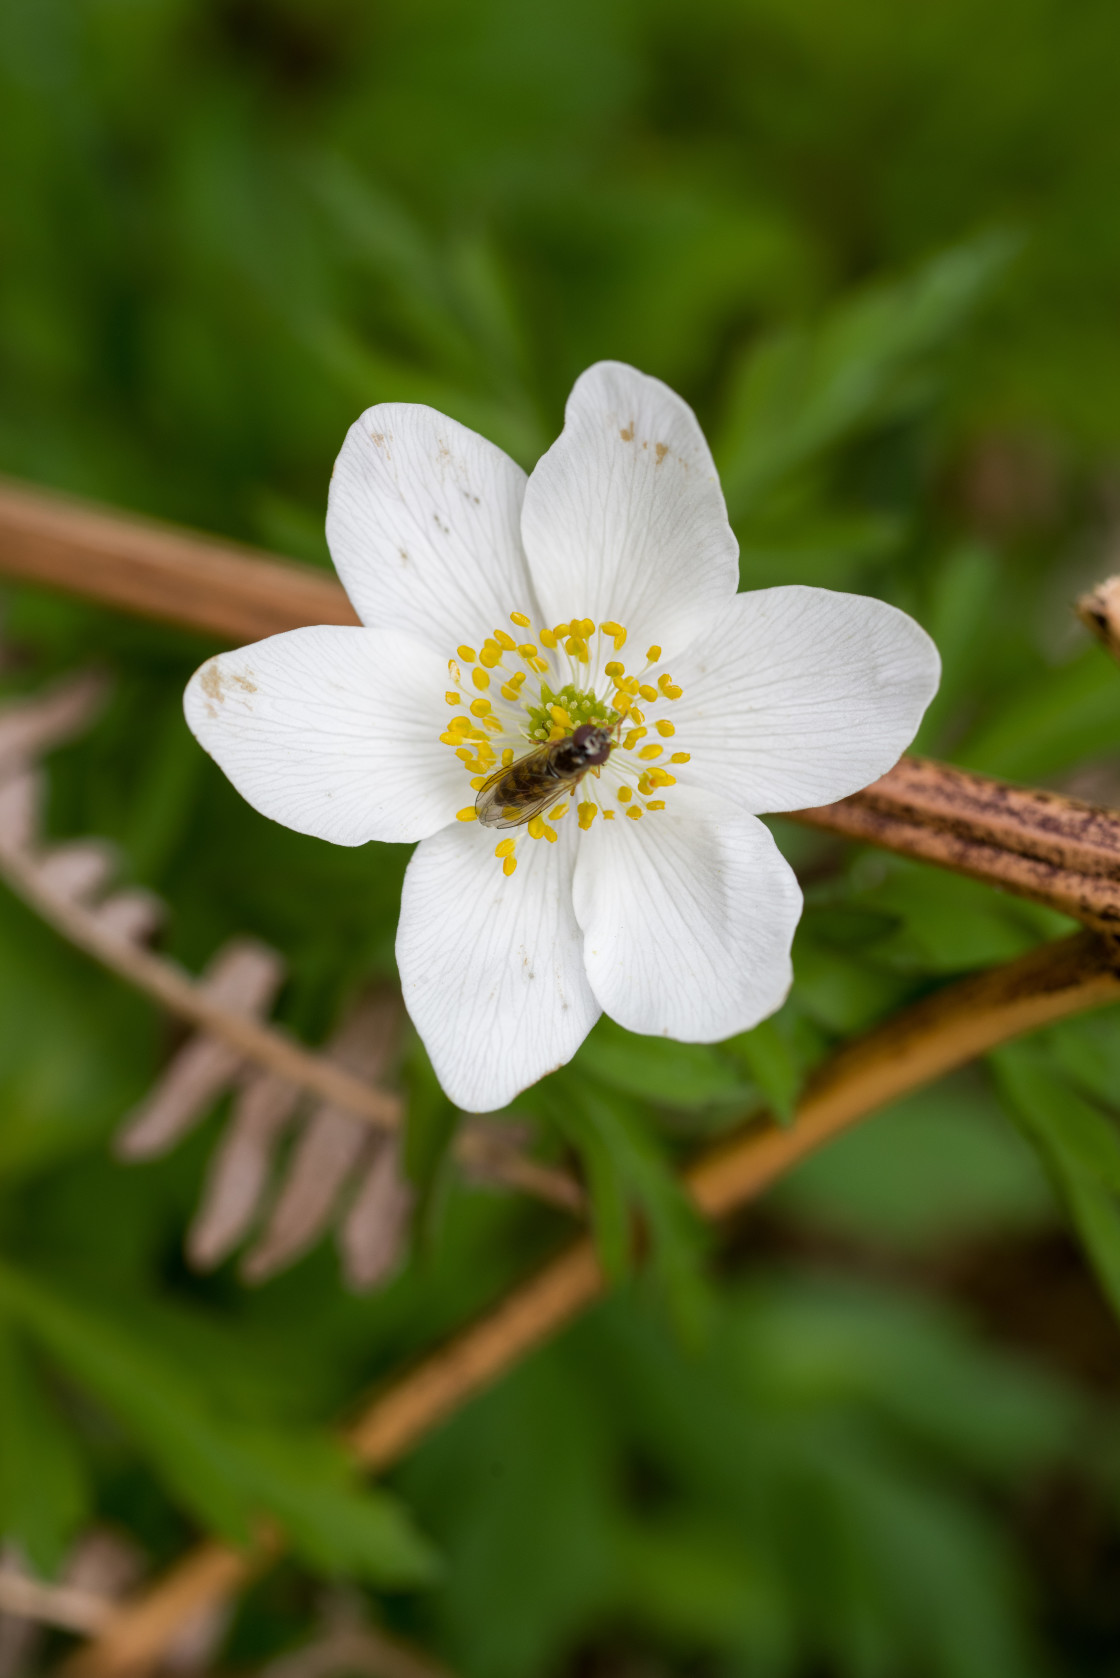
(876, 251)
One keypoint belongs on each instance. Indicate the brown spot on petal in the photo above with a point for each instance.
(627, 434)
(662, 449)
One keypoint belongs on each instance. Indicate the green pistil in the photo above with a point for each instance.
(581, 707)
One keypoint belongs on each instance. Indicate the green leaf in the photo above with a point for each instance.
(768, 1055)
(225, 1473)
(685, 1075)
(44, 1494)
(803, 391)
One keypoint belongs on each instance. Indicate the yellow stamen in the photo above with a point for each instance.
(586, 628)
(647, 692)
(620, 641)
(494, 725)
(536, 828)
(511, 812)
(656, 804)
(478, 782)
(680, 757)
(527, 649)
(560, 716)
(507, 756)
(453, 671)
(505, 639)
(625, 794)
(610, 628)
(644, 785)
(634, 812)
(453, 699)
(671, 690)
(653, 654)
(651, 751)
(586, 813)
(576, 648)
(632, 738)
(470, 814)
(508, 691)
(665, 729)
(550, 834)
(557, 812)
(508, 866)
(505, 847)
(467, 654)
(638, 716)
(479, 707)
(608, 815)
(540, 665)
(615, 669)
(491, 654)
(480, 678)
(661, 778)
(520, 619)
(547, 638)
(560, 630)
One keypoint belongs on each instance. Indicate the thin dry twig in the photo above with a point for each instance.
(1037, 845)
(922, 1043)
(1099, 611)
(52, 1605)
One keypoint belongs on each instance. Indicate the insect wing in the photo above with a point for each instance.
(527, 787)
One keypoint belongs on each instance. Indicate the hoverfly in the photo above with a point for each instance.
(513, 796)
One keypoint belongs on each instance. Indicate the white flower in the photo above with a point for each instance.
(654, 892)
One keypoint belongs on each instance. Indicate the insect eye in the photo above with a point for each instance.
(583, 733)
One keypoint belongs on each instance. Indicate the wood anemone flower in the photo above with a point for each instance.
(645, 885)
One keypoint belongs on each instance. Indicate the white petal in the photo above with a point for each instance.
(423, 524)
(799, 696)
(491, 967)
(688, 915)
(624, 519)
(334, 732)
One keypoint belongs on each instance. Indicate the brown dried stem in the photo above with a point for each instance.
(1038, 845)
(1099, 611)
(923, 1042)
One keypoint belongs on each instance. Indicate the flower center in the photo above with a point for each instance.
(516, 701)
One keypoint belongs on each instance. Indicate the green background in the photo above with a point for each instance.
(872, 1432)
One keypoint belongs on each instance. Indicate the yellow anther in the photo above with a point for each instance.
(665, 729)
(557, 732)
(651, 751)
(586, 814)
(520, 619)
(479, 707)
(536, 828)
(494, 725)
(508, 865)
(465, 755)
(653, 654)
(629, 684)
(608, 815)
(633, 737)
(527, 649)
(467, 654)
(505, 639)
(625, 794)
(615, 669)
(480, 678)
(550, 834)
(661, 778)
(561, 629)
(672, 691)
(575, 647)
(547, 638)
(656, 804)
(559, 715)
(665, 681)
(453, 671)
(540, 665)
(470, 814)
(609, 628)
(620, 641)
(638, 716)
(511, 812)
(680, 757)
(634, 812)
(507, 756)
(491, 654)
(648, 693)
(621, 702)
(557, 811)
(644, 785)
(505, 847)
(518, 678)
(450, 739)
(586, 627)
(453, 699)
(508, 691)
(478, 782)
